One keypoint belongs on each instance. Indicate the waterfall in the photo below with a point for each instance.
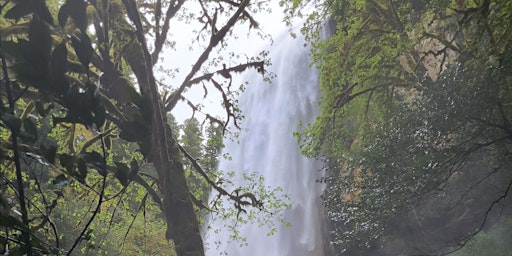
(266, 145)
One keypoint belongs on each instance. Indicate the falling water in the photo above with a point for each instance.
(266, 145)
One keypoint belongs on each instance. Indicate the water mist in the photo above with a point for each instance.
(266, 145)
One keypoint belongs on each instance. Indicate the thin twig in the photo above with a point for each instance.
(100, 200)
(25, 235)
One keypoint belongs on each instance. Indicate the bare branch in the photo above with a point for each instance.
(482, 225)
(225, 72)
(214, 41)
(174, 7)
(240, 200)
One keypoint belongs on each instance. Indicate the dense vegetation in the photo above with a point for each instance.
(91, 161)
(415, 124)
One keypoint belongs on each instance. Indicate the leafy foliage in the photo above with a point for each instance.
(84, 125)
(415, 113)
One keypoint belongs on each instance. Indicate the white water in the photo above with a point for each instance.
(267, 146)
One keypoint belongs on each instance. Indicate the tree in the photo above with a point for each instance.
(414, 120)
(70, 71)
(213, 147)
(192, 138)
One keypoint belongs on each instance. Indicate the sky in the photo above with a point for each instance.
(187, 51)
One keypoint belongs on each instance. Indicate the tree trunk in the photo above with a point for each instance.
(182, 224)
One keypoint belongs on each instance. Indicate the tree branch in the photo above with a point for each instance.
(482, 225)
(162, 37)
(100, 200)
(25, 235)
(214, 41)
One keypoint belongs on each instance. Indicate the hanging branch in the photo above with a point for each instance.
(240, 199)
(141, 205)
(482, 225)
(25, 235)
(227, 106)
(171, 101)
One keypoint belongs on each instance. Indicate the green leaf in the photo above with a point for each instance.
(63, 15)
(82, 169)
(83, 49)
(19, 11)
(40, 42)
(10, 221)
(77, 11)
(11, 121)
(96, 161)
(40, 109)
(60, 179)
(75, 66)
(58, 68)
(87, 235)
(15, 50)
(99, 116)
(49, 150)
(122, 173)
(30, 127)
(41, 9)
(68, 162)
